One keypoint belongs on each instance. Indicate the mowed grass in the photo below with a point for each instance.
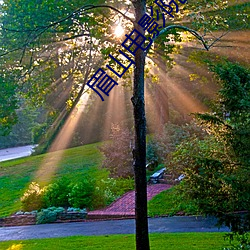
(170, 241)
(16, 175)
(169, 202)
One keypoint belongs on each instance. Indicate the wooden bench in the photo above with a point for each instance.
(155, 177)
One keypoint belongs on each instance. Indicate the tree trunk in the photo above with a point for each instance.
(139, 151)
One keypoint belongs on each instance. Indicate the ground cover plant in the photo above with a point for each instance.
(171, 241)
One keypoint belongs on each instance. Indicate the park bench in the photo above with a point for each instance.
(155, 177)
(182, 176)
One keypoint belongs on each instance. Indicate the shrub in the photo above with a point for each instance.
(48, 215)
(109, 189)
(152, 155)
(57, 193)
(73, 209)
(33, 197)
(166, 141)
(81, 194)
(103, 194)
(216, 168)
(243, 242)
(38, 131)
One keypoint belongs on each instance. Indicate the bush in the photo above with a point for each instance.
(48, 215)
(81, 194)
(57, 193)
(103, 194)
(33, 198)
(243, 242)
(152, 155)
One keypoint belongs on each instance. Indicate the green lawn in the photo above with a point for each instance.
(16, 175)
(169, 202)
(172, 241)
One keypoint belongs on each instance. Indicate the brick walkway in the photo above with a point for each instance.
(124, 207)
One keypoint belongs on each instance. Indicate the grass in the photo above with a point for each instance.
(16, 175)
(169, 203)
(170, 241)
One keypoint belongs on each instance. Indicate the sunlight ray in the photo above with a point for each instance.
(52, 159)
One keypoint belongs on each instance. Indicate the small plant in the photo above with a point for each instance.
(33, 197)
(76, 210)
(48, 215)
(243, 242)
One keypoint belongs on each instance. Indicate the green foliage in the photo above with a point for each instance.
(38, 131)
(32, 198)
(152, 156)
(81, 194)
(236, 17)
(205, 175)
(8, 105)
(48, 215)
(118, 153)
(166, 141)
(21, 132)
(91, 193)
(218, 15)
(242, 241)
(16, 175)
(103, 193)
(108, 190)
(56, 194)
(216, 168)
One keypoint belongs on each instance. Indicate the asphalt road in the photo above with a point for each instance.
(156, 225)
(14, 153)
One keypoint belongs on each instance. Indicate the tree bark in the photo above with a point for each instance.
(139, 151)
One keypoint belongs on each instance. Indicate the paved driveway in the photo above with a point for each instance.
(156, 225)
(14, 153)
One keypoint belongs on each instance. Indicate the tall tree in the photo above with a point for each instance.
(139, 151)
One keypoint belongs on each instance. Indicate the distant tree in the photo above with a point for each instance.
(8, 105)
(118, 155)
(165, 142)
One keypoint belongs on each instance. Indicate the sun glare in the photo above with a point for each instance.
(61, 142)
(119, 31)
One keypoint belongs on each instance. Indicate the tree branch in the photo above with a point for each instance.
(193, 32)
(112, 8)
(42, 29)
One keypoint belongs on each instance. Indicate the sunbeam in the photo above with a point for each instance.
(51, 161)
